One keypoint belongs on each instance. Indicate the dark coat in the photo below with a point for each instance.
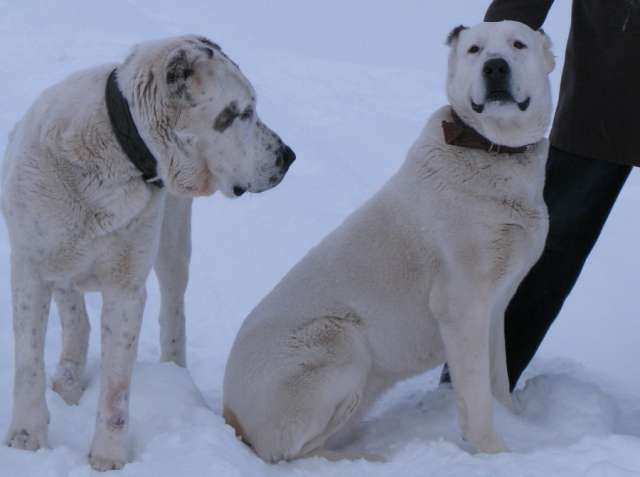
(598, 113)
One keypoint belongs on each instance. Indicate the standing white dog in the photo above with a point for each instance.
(83, 197)
(420, 274)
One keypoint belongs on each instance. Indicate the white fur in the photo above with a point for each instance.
(81, 218)
(419, 275)
(502, 124)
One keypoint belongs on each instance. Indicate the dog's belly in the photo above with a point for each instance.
(85, 282)
(120, 258)
(404, 343)
(73, 269)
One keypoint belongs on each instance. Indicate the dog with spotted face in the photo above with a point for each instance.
(97, 186)
(420, 275)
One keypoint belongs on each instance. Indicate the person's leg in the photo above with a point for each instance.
(579, 193)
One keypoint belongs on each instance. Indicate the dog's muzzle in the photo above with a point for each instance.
(284, 159)
(497, 79)
(497, 75)
(286, 156)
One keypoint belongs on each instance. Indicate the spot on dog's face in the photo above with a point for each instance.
(499, 72)
(220, 117)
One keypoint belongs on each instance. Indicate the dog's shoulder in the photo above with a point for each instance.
(61, 115)
(66, 153)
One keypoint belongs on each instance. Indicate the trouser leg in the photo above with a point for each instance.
(579, 193)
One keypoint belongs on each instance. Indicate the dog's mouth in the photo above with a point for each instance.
(273, 181)
(502, 97)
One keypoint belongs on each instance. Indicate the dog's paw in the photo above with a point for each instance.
(103, 464)
(66, 383)
(492, 444)
(26, 439)
(108, 453)
(507, 401)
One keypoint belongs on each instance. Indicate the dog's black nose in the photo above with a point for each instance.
(288, 156)
(496, 69)
(238, 191)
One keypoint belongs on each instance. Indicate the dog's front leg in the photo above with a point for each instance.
(31, 299)
(172, 270)
(464, 317)
(500, 383)
(121, 319)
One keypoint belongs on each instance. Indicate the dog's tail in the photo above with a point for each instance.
(231, 419)
(5, 159)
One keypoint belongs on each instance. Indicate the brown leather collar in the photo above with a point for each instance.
(459, 133)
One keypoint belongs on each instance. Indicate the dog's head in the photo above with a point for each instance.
(498, 80)
(201, 113)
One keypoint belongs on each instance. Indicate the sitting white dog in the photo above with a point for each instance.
(83, 195)
(420, 274)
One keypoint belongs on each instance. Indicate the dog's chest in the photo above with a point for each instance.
(514, 232)
(513, 246)
(510, 223)
(108, 241)
(492, 211)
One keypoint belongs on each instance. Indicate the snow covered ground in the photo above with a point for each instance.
(348, 84)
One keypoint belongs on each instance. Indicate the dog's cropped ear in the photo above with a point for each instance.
(547, 49)
(454, 34)
(185, 71)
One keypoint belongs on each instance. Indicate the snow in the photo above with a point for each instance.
(348, 85)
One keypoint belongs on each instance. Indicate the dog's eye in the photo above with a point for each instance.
(247, 113)
(518, 45)
(226, 118)
(474, 49)
(223, 121)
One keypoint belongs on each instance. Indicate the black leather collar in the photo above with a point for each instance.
(127, 134)
(459, 133)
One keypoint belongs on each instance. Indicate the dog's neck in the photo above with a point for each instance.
(458, 133)
(126, 132)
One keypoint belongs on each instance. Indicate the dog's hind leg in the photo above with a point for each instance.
(342, 414)
(313, 387)
(172, 270)
(310, 416)
(67, 381)
(343, 433)
(31, 300)
(375, 386)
